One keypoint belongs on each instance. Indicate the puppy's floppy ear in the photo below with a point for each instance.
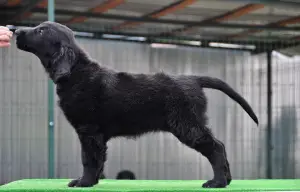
(63, 63)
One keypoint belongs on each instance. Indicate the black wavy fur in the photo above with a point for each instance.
(101, 103)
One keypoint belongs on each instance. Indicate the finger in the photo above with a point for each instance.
(4, 28)
(4, 38)
(8, 33)
(7, 30)
(4, 44)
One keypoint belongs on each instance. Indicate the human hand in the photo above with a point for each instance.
(5, 36)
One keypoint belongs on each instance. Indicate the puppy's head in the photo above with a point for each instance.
(53, 43)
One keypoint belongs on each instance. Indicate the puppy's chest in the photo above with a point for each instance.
(79, 106)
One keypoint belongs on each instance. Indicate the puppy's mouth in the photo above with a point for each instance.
(25, 47)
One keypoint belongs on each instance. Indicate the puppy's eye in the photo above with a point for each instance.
(40, 31)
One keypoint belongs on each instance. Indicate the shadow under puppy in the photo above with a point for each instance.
(101, 103)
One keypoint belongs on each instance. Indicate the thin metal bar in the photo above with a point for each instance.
(269, 115)
(101, 8)
(279, 45)
(159, 13)
(281, 4)
(238, 12)
(51, 15)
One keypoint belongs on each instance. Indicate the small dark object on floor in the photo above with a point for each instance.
(126, 174)
(101, 103)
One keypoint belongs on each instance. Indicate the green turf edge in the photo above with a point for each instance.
(132, 186)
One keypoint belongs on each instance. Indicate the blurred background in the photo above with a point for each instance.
(252, 45)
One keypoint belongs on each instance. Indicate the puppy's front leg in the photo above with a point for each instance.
(93, 156)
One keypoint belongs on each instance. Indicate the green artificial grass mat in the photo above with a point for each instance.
(59, 185)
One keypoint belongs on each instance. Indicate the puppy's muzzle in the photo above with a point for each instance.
(21, 34)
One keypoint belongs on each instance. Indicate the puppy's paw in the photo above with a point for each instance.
(81, 182)
(215, 184)
(73, 182)
(228, 179)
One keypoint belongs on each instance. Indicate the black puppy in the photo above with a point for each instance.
(102, 104)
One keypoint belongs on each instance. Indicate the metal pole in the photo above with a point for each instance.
(269, 114)
(50, 108)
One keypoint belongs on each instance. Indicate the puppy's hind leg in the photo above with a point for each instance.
(202, 140)
(227, 167)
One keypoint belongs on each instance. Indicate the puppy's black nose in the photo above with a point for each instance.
(19, 32)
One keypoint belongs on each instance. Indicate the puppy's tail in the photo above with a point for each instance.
(215, 83)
